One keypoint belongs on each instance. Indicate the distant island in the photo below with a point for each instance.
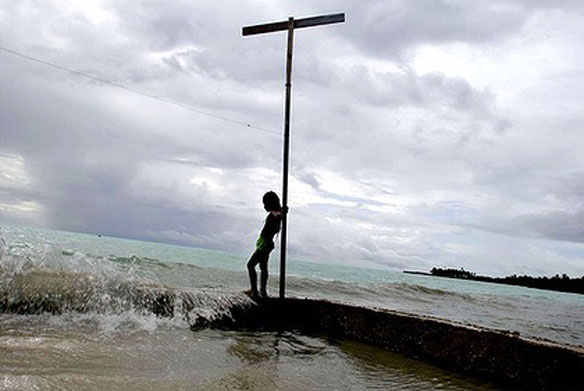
(559, 283)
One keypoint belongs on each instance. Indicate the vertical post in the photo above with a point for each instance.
(290, 25)
(286, 156)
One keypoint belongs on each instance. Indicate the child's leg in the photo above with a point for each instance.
(253, 277)
(264, 274)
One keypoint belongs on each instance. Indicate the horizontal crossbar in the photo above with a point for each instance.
(298, 23)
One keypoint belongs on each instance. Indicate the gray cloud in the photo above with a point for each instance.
(560, 225)
(390, 29)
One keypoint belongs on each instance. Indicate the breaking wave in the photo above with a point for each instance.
(47, 281)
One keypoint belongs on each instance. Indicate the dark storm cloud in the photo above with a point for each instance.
(130, 216)
(84, 163)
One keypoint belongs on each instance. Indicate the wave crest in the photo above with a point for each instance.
(45, 280)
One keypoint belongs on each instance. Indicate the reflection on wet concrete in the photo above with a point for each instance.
(292, 361)
(498, 356)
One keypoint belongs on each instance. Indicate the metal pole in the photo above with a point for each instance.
(286, 156)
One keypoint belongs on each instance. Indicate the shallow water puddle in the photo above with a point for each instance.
(40, 352)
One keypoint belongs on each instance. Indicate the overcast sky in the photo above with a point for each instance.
(424, 133)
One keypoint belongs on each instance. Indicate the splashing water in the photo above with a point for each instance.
(48, 280)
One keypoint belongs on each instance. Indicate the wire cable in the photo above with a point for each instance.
(132, 90)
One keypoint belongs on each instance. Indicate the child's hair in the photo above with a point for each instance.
(271, 201)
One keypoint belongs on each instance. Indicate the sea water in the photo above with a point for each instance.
(110, 344)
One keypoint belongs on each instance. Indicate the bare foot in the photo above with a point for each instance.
(251, 293)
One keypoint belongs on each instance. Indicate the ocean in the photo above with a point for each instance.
(102, 340)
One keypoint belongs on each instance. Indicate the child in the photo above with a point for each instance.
(265, 244)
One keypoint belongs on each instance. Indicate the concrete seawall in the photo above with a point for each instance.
(504, 358)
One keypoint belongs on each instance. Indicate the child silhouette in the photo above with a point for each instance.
(264, 245)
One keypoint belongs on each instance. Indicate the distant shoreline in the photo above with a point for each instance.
(557, 283)
(417, 272)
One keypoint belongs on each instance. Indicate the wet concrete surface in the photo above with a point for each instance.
(501, 357)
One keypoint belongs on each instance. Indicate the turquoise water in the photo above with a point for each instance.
(547, 314)
(111, 344)
(539, 313)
